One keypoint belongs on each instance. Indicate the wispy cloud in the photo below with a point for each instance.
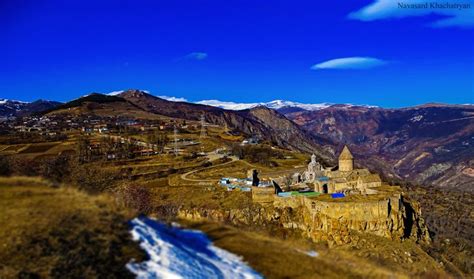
(456, 13)
(350, 63)
(195, 56)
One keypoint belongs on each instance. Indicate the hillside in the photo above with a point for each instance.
(61, 232)
(101, 105)
(261, 122)
(430, 144)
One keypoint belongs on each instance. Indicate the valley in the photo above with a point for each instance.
(139, 154)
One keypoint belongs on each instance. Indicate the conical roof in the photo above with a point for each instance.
(345, 154)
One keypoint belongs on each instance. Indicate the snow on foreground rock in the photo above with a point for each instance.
(180, 253)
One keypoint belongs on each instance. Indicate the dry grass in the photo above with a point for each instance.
(234, 169)
(276, 258)
(38, 147)
(13, 148)
(60, 232)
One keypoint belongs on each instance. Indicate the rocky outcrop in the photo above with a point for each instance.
(390, 217)
(335, 222)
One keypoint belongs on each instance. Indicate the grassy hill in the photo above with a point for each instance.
(61, 233)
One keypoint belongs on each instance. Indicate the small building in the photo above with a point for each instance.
(250, 141)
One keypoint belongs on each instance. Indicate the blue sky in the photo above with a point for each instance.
(362, 52)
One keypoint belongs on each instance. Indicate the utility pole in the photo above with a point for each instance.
(175, 134)
(203, 127)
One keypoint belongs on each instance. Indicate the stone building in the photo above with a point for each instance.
(346, 160)
(314, 170)
(345, 179)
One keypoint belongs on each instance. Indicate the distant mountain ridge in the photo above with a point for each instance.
(427, 144)
(228, 105)
(275, 104)
(258, 121)
(13, 108)
(264, 123)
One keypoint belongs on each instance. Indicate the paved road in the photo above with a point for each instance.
(212, 157)
(215, 156)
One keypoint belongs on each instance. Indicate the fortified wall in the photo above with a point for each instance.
(335, 221)
(387, 215)
(342, 204)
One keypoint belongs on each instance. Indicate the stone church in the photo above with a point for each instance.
(345, 179)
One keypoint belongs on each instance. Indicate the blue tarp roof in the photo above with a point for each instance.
(323, 178)
(337, 195)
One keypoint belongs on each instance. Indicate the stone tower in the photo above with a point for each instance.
(346, 161)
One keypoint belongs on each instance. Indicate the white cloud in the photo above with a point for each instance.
(196, 56)
(173, 99)
(349, 63)
(456, 13)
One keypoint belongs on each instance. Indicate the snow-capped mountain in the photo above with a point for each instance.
(11, 102)
(276, 104)
(9, 108)
(280, 105)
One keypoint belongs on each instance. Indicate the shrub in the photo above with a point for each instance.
(94, 179)
(5, 168)
(137, 197)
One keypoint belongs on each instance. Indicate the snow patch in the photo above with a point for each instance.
(227, 105)
(275, 104)
(115, 93)
(173, 99)
(416, 118)
(180, 253)
(5, 101)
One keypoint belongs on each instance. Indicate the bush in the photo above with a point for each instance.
(57, 169)
(94, 179)
(257, 154)
(5, 168)
(137, 197)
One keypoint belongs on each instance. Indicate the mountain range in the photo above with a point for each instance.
(12, 108)
(430, 144)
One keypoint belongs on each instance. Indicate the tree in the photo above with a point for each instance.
(57, 169)
(94, 178)
(137, 197)
(5, 168)
(108, 146)
(159, 140)
(83, 148)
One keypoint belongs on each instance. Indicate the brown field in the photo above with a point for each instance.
(38, 148)
(14, 148)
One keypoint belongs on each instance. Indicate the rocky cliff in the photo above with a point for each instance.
(336, 222)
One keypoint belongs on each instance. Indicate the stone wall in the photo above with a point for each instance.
(332, 221)
(263, 194)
